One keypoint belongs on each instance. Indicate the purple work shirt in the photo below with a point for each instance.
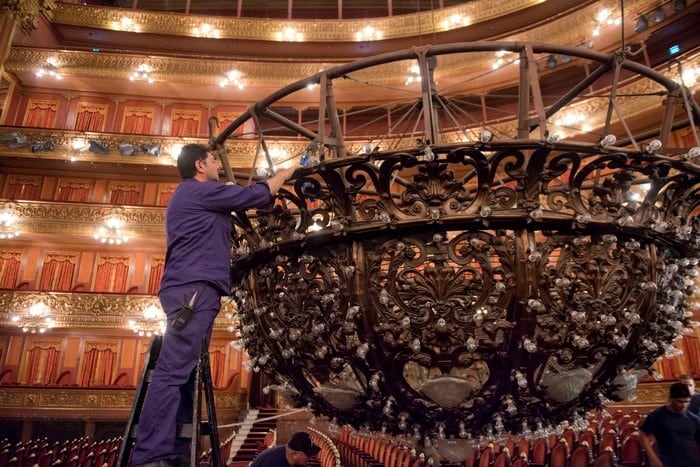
(198, 228)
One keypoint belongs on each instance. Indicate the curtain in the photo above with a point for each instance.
(691, 352)
(154, 277)
(41, 113)
(9, 268)
(166, 191)
(670, 368)
(112, 273)
(57, 272)
(226, 118)
(90, 117)
(42, 362)
(23, 187)
(185, 123)
(137, 121)
(125, 194)
(77, 191)
(217, 363)
(98, 364)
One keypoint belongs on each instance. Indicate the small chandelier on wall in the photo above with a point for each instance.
(111, 232)
(150, 323)
(8, 227)
(36, 320)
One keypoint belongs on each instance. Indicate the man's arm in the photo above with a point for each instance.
(276, 181)
(652, 457)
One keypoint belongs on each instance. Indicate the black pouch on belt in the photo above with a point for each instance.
(184, 314)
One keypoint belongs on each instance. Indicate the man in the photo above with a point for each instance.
(196, 275)
(296, 453)
(694, 407)
(676, 432)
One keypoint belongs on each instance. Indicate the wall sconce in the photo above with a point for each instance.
(289, 34)
(8, 230)
(49, 68)
(150, 323)
(111, 232)
(142, 73)
(369, 33)
(36, 320)
(206, 30)
(232, 78)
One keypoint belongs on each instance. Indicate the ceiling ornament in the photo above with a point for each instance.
(450, 291)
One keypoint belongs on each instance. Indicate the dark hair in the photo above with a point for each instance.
(679, 391)
(189, 155)
(301, 442)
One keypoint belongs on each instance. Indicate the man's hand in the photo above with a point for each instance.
(276, 181)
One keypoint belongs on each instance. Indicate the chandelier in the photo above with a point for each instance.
(150, 323)
(36, 320)
(470, 282)
(142, 73)
(111, 233)
(49, 68)
(8, 229)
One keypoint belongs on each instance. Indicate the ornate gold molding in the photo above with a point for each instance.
(73, 219)
(23, 401)
(91, 310)
(27, 12)
(422, 23)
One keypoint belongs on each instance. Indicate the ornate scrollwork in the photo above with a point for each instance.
(469, 288)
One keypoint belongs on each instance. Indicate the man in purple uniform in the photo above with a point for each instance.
(197, 273)
(296, 453)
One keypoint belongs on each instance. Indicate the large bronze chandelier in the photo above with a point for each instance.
(469, 279)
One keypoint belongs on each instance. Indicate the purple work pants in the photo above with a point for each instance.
(169, 397)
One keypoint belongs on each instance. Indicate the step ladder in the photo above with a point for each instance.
(201, 376)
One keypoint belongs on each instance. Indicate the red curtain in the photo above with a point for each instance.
(137, 121)
(217, 362)
(98, 364)
(691, 353)
(73, 190)
(9, 268)
(112, 273)
(21, 187)
(57, 273)
(42, 362)
(125, 194)
(90, 117)
(166, 191)
(155, 275)
(185, 123)
(41, 113)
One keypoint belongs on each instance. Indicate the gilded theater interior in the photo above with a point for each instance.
(98, 98)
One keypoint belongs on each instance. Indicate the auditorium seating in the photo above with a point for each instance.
(607, 441)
